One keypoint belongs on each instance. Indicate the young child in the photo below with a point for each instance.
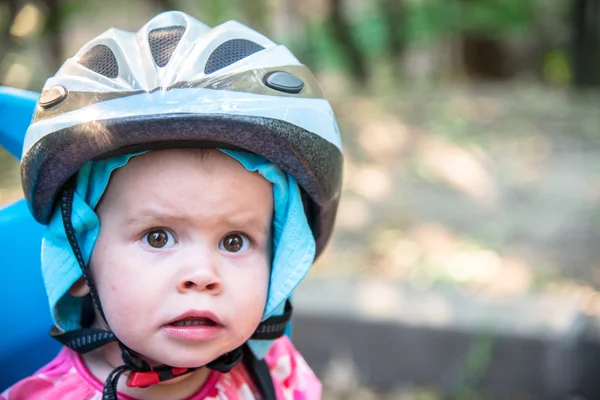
(189, 177)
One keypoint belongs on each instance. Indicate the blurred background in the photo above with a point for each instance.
(466, 258)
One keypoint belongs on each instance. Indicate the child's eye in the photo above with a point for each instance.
(235, 242)
(159, 239)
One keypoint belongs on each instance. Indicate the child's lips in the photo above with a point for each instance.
(194, 322)
(195, 318)
(197, 332)
(194, 325)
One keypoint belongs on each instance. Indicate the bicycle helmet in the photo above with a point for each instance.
(175, 83)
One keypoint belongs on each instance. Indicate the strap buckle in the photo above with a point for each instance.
(157, 375)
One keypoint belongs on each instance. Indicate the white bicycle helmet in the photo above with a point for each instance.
(177, 82)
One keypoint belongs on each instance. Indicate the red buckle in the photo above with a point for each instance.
(178, 371)
(143, 379)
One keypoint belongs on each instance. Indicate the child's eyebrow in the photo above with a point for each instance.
(138, 218)
(233, 223)
(249, 223)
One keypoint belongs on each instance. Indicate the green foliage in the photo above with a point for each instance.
(478, 360)
(71, 9)
(498, 17)
(557, 68)
(370, 34)
(9, 173)
(4, 16)
(317, 48)
(428, 20)
(423, 22)
(216, 12)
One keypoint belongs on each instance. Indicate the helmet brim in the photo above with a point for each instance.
(59, 156)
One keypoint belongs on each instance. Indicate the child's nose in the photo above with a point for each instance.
(201, 279)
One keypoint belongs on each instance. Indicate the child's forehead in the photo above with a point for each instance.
(201, 153)
(184, 160)
(185, 172)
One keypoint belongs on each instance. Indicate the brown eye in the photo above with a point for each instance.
(159, 238)
(234, 243)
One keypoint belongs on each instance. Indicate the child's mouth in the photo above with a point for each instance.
(194, 322)
(198, 326)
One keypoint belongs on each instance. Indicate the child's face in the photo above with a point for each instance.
(180, 233)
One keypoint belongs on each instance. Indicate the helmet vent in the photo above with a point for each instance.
(101, 60)
(229, 52)
(163, 42)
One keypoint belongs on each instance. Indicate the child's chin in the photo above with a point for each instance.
(188, 360)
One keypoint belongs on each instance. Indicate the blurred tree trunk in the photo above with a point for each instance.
(284, 20)
(5, 39)
(485, 56)
(342, 32)
(165, 5)
(287, 26)
(393, 15)
(53, 35)
(307, 53)
(302, 24)
(257, 14)
(586, 42)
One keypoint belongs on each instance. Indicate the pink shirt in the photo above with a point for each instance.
(67, 378)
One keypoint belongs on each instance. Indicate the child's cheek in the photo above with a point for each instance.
(114, 287)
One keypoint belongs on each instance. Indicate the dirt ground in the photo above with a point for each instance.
(491, 188)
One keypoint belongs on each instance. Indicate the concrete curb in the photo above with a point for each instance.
(388, 336)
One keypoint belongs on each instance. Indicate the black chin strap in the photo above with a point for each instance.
(142, 374)
(260, 373)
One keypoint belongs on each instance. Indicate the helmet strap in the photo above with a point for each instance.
(66, 206)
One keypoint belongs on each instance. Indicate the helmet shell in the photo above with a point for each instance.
(179, 83)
